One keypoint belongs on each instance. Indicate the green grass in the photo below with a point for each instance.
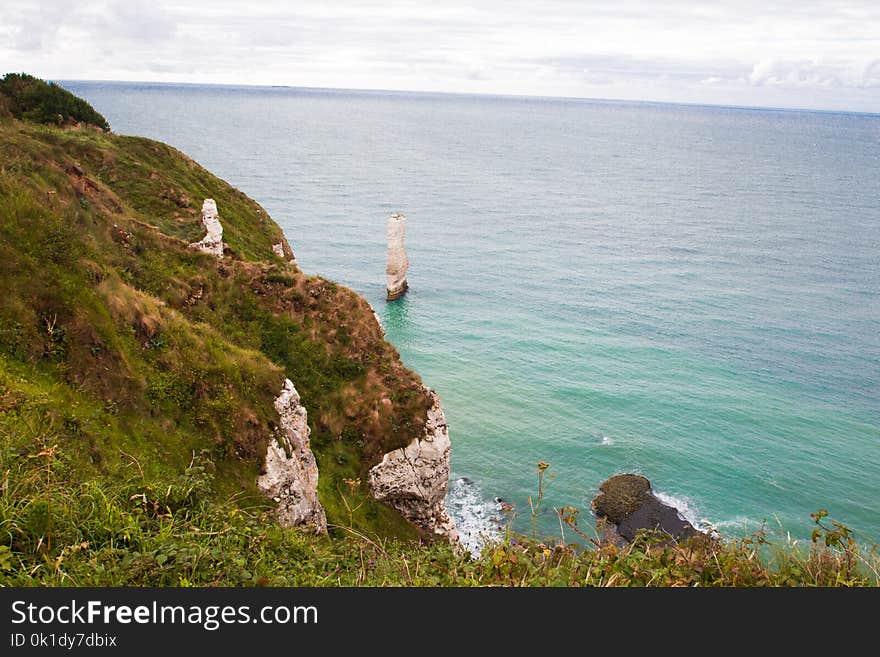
(174, 530)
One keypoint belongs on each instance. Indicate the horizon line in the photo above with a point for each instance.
(771, 108)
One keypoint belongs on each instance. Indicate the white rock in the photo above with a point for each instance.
(397, 263)
(290, 474)
(212, 242)
(278, 249)
(377, 318)
(414, 479)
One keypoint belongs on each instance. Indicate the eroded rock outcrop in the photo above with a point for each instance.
(414, 479)
(626, 504)
(212, 242)
(281, 252)
(290, 472)
(397, 263)
(378, 319)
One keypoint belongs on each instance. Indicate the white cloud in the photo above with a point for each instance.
(793, 53)
(812, 74)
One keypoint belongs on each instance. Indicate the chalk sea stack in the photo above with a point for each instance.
(627, 504)
(397, 263)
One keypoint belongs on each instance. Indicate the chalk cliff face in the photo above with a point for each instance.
(290, 474)
(212, 242)
(414, 479)
(397, 263)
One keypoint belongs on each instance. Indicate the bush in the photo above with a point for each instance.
(31, 99)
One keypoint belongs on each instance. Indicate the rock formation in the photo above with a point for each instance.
(290, 472)
(281, 252)
(397, 263)
(414, 479)
(627, 504)
(378, 319)
(212, 242)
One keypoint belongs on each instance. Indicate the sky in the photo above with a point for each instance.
(782, 53)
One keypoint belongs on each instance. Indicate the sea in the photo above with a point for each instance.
(687, 292)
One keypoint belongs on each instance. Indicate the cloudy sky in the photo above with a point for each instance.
(782, 53)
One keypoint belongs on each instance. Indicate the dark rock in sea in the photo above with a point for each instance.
(627, 504)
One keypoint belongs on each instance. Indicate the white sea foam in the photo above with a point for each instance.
(688, 510)
(479, 519)
(685, 506)
(606, 440)
(737, 526)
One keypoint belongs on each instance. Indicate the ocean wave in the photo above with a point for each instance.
(740, 522)
(599, 438)
(478, 519)
(686, 507)
(689, 511)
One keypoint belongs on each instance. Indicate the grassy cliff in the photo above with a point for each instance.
(137, 378)
(121, 349)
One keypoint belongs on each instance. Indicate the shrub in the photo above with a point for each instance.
(31, 99)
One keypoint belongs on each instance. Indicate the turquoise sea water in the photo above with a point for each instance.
(692, 293)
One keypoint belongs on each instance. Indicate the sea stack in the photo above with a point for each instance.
(626, 504)
(397, 265)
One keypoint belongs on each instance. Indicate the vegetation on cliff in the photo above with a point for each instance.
(137, 379)
(122, 348)
(128, 533)
(32, 99)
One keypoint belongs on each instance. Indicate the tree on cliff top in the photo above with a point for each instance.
(32, 99)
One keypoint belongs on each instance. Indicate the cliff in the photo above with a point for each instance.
(153, 320)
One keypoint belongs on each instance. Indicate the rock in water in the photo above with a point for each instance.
(290, 473)
(397, 264)
(627, 503)
(414, 479)
(212, 242)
